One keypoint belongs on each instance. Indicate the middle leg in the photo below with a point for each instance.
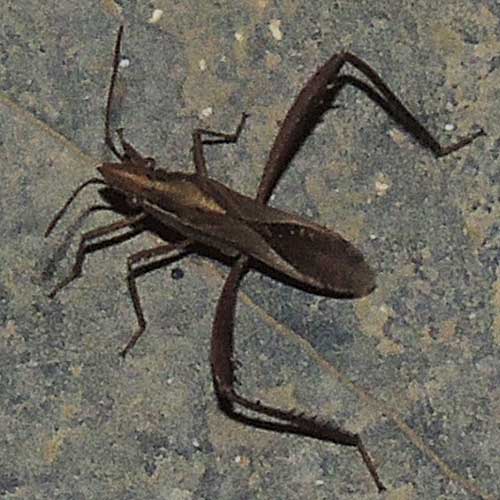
(133, 273)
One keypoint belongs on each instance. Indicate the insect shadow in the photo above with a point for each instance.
(205, 213)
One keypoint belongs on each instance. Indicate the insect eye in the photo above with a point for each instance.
(150, 163)
(133, 201)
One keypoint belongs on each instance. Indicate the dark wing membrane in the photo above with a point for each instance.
(321, 254)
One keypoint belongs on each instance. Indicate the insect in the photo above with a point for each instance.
(204, 211)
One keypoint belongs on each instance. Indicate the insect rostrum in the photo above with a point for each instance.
(206, 212)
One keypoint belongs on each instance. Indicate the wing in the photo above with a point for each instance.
(324, 259)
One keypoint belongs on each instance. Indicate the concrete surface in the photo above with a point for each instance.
(413, 367)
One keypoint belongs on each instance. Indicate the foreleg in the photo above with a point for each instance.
(221, 138)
